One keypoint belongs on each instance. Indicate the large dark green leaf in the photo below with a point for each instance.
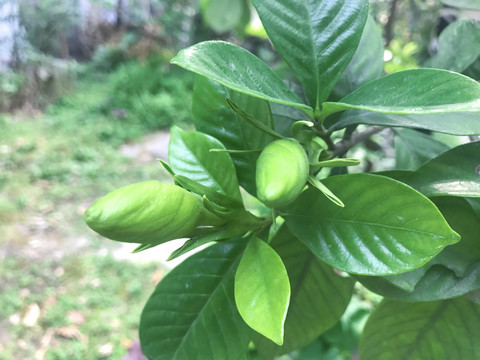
(366, 64)
(262, 290)
(453, 272)
(453, 173)
(192, 313)
(385, 227)
(449, 123)
(319, 296)
(213, 116)
(417, 91)
(317, 38)
(442, 330)
(413, 148)
(458, 46)
(463, 4)
(189, 155)
(237, 69)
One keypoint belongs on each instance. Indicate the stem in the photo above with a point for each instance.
(343, 146)
(325, 136)
(390, 22)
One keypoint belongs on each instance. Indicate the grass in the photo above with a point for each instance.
(52, 166)
(85, 304)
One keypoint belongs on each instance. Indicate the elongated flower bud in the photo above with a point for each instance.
(147, 212)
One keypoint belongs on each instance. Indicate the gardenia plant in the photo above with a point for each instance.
(276, 278)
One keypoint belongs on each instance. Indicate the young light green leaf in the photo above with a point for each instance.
(441, 330)
(319, 296)
(317, 39)
(202, 190)
(181, 319)
(449, 123)
(367, 63)
(337, 162)
(385, 227)
(325, 191)
(413, 148)
(262, 290)
(214, 117)
(189, 155)
(458, 46)
(417, 91)
(237, 69)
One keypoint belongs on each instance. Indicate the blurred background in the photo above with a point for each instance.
(87, 96)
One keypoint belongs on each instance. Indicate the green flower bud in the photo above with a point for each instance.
(147, 212)
(282, 172)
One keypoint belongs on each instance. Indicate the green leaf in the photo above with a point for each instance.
(442, 330)
(317, 39)
(453, 272)
(319, 296)
(449, 123)
(385, 227)
(284, 117)
(189, 155)
(413, 148)
(458, 46)
(453, 173)
(237, 69)
(337, 162)
(325, 191)
(366, 64)
(211, 194)
(214, 117)
(262, 290)
(463, 4)
(192, 313)
(417, 91)
(222, 15)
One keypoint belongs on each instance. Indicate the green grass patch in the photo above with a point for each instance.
(84, 302)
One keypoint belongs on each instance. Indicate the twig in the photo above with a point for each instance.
(343, 146)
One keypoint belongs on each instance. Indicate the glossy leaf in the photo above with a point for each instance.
(449, 123)
(319, 296)
(458, 46)
(417, 91)
(237, 69)
(189, 155)
(367, 63)
(413, 148)
(214, 117)
(385, 227)
(262, 290)
(317, 39)
(442, 330)
(453, 272)
(463, 4)
(453, 173)
(192, 313)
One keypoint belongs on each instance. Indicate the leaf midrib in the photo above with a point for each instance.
(198, 317)
(377, 225)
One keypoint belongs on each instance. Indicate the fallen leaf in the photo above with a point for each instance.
(69, 332)
(76, 317)
(106, 349)
(31, 315)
